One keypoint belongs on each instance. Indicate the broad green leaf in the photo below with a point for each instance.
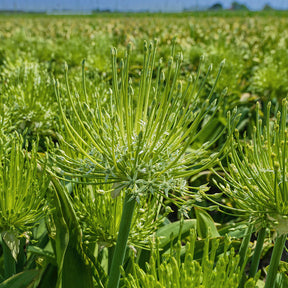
(21, 280)
(235, 230)
(8, 258)
(70, 254)
(49, 277)
(172, 230)
(76, 269)
(213, 128)
(12, 243)
(205, 224)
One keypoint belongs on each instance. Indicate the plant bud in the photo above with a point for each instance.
(145, 46)
(129, 47)
(210, 68)
(276, 165)
(162, 76)
(150, 46)
(113, 51)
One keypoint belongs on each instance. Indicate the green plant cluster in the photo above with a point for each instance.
(140, 168)
(183, 273)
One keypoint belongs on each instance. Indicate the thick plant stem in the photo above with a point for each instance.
(275, 260)
(120, 249)
(257, 252)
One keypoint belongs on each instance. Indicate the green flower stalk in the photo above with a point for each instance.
(256, 179)
(136, 139)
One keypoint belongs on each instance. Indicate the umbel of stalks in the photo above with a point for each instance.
(136, 138)
(21, 190)
(22, 197)
(256, 173)
(256, 179)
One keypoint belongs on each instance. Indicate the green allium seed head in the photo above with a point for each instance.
(258, 179)
(21, 191)
(137, 139)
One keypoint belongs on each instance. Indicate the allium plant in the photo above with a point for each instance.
(100, 216)
(22, 196)
(174, 272)
(20, 188)
(256, 179)
(137, 141)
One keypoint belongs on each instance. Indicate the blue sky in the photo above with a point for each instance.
(131, 5)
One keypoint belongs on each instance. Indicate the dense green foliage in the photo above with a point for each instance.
(131, 163)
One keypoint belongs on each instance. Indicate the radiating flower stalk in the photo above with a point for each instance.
(256, 179)
(137, 140)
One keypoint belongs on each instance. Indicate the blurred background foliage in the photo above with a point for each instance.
(34, 48)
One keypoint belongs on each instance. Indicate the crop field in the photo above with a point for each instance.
(144, 150)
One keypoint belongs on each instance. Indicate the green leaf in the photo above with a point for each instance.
(49, 277)
(12, 243)
(205, 224)
(75, 269)
(174, 230)
(62, 239)
(21, 280)
(213, 128)
(235, 230)
(9, 260)
(43, 253)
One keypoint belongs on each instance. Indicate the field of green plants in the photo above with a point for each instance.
(144, 150)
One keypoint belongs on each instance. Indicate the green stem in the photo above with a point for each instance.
(257, 252)
(120, 249)
(244, 246)
(243, 252)
(110, 257)
(275, 260)
(9, 261)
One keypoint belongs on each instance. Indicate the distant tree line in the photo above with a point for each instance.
(237, 6)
